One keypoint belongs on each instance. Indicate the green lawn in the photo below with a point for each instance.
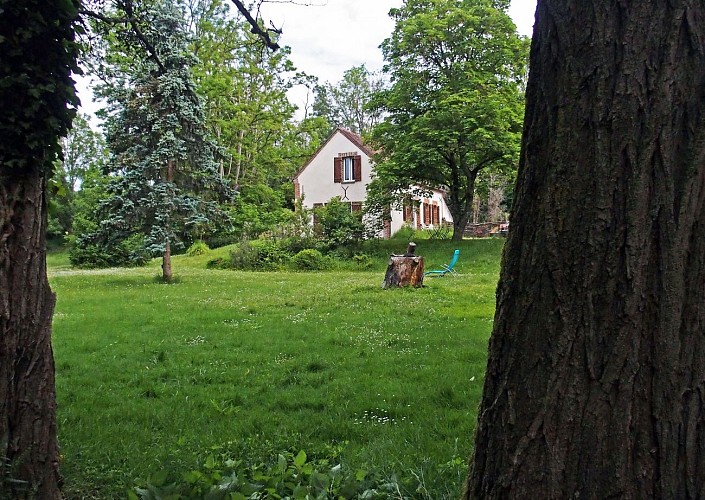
(154, 377)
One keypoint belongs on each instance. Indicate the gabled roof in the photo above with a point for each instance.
(351, 136)
(357, 140)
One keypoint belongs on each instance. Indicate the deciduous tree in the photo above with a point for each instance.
(37, 56)
(455, 103)
(595, 384)
(347, 103)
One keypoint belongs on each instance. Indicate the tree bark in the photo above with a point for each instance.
(29, 455)
(404, 271)
(460, 223)
(595, 384)
(462, 199)
(167, 273)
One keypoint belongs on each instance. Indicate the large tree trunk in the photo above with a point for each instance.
(28, 446)
(461, 203)
(595, 381)
(460, 222)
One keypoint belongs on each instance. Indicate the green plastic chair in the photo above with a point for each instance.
(446, 269)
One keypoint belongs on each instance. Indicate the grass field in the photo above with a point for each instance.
(154, 377)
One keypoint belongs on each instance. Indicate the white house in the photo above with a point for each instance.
(342, 167)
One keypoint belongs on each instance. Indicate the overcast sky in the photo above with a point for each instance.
(329, 39)
(336, 35)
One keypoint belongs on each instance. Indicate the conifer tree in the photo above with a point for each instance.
(166, 180)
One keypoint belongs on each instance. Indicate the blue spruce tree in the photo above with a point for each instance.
(165, 178)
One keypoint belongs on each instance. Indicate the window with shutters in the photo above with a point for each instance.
(408, 213)
(348, 173)
(347, 167)
(435, 214)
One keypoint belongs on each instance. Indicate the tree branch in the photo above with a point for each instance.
(256, 28)
(127, 8)
(104, 18)
(132, 20)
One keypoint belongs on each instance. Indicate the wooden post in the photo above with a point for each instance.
(404, 270)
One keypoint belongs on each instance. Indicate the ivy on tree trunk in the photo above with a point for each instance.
(37, 56)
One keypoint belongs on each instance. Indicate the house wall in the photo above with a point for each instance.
(316, 184)
(417, 216)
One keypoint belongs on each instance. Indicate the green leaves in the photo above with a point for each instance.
(455, 104)
(347, 103)
(38, 57)
(291, 476)
(165, 180)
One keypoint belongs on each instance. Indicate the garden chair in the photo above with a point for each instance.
(446, 269)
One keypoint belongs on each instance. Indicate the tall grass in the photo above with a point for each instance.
(154, 377)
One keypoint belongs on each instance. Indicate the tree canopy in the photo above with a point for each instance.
(347, 103)
(165, 178)
(455, 103)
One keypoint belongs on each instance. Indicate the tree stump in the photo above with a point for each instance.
(404, 270)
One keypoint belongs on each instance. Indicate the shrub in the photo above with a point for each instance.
(294, 244)
(258, 255)
(309, 260)
(129, 252)
(337, 225)
(362, 260)
(198, 247)
(219, 263)
(222, 239)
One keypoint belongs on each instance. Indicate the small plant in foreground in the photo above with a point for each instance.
(289, 476)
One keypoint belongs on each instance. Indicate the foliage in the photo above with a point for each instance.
(337, 226)
(455, 103)
(258, 209)
(59, 207)
(85, 151)
(39, 99)
(362, 260)
(198, 247)
(245, 86)
(127, 252)
(218, 263)
(84, 154)
(164, 177)
(258, 255)
(346, 104)
(309, 259)
(289, 476)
